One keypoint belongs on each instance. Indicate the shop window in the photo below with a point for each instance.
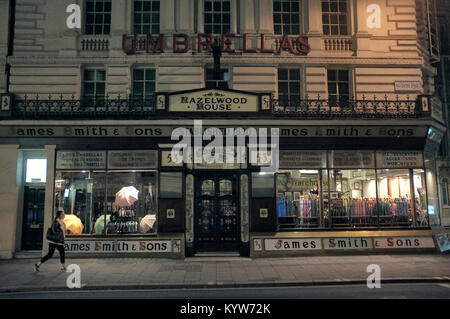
(211, 82)
(338, 88)
(146, 17)
(335, 17)
(36, 171)
(352, 198)
(289, 84)
(74, 196)
(94, 86)
(286, 16)
(217, 14)
(98, 17)
(89, 199)
(298, 198)
(394, 195)
(141, 214)
(144, 83)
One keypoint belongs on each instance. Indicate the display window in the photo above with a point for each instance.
(352, 198)
(394, 194)
(298, 202)
(353, 190)
(107, 202)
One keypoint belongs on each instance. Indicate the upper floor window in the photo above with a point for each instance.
(289, 87)
(98, 17)
(217, 16)
(144, 82)
(338, 87)
(211, 82)
(94, 84)
(146, 17)
(286, 16)
(335, 17)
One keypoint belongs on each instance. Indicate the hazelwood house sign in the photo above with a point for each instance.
(182, 43)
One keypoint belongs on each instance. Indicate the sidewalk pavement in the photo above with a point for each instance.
(139, 273)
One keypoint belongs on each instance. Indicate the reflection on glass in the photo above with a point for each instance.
(208, 188)
(88, 198)
(420, 196)
(353, 198)
(263, 185)
(225, 187)
(298, 198)
(73, 195)
(394, 194)
(138, 217)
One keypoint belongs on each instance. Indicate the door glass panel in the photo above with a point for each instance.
(226, 187)
(208, 188)
(205, 221)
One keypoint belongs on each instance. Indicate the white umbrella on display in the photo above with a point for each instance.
(126, 196)
(147, 223)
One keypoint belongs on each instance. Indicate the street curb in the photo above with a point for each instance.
(220, 285)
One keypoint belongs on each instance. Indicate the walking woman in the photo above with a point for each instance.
(56, 241)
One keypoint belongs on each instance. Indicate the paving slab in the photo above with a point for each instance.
(18, 274)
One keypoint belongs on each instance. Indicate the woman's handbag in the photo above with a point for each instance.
(54, 233)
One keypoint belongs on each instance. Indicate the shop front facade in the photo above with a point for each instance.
(348, 90)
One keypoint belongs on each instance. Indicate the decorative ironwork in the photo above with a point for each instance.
(93, 44)
(133, 108)
(119, 107)
(365, 108)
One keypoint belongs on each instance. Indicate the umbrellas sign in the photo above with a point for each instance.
(126, 196)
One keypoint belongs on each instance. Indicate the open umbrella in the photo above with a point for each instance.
(100, 223)
(147, 223)
(74, 224)
(126, 196)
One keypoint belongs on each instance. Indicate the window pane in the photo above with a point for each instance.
(100, 76)
(147, 6)
(149, 88)
(171, 184)
(420, 195)
(150, 75)
(277, 29)
(208, 6)
(282, 74)
(262, 185)
(283, 87)
(89, 89)
(100, 89)
(226, 6)
(139, 217)
(298, 198)
(89, 75)
(294, 74)
(394, 197)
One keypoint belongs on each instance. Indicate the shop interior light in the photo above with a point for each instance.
(36, 171)
(308, 171)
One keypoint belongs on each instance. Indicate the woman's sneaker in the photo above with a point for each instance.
(36, 268)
